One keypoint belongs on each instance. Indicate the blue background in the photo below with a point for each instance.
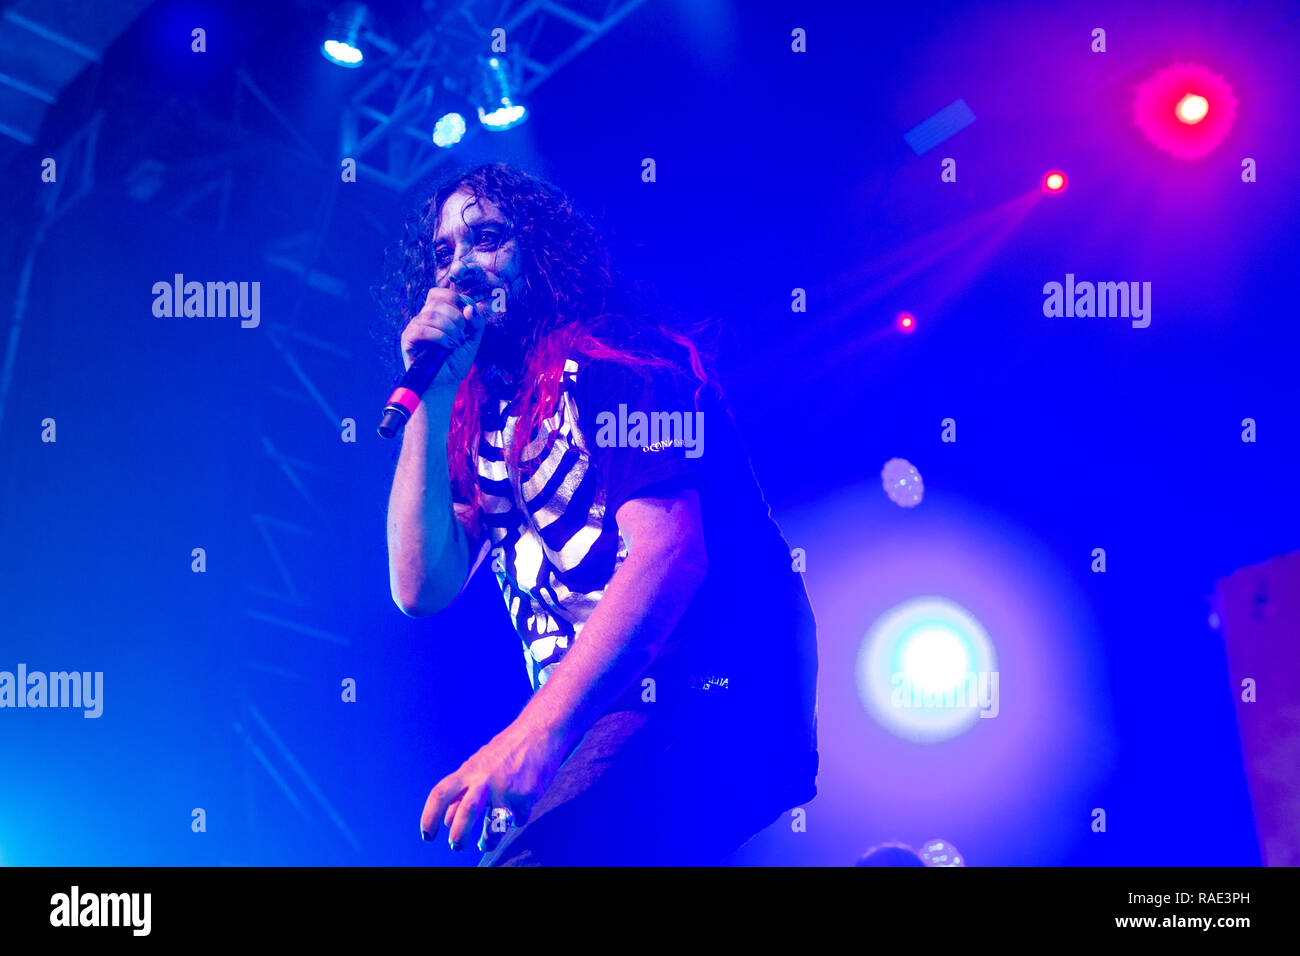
(775, 170)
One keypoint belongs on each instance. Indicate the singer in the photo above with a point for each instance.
(670, 646)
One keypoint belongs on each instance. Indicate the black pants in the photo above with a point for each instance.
(660, 786)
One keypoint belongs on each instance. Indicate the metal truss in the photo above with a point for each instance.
(388, 123)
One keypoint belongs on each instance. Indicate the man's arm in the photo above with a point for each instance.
(646, 597)
(665, 566)
(429, 547)
(430, 551)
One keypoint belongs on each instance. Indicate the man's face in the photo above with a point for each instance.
(475, 253)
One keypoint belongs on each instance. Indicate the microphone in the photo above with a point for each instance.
(406, 397)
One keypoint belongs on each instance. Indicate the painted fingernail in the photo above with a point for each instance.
(424, 835)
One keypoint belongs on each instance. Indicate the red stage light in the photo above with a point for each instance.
(1054, 181)
(1185, 109)
(1191, 109)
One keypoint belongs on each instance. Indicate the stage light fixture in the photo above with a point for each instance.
(907, 321)
(940, 853)
(1054, 181)
(497, 109)
(1191, 109)
(449, 130)
(1185, 109)
(926, 670)
(935, 659)
(342, 47)
(902, 483)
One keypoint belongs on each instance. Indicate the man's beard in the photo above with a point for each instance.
(504, 344)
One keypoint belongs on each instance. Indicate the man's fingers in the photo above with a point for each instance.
(424, 334)
(451, 812)
(454, 324)
(472, 316)
(467, 816)
(434, 807)
(442, 323)
(498, 819)
(472, 324)
(438, 294)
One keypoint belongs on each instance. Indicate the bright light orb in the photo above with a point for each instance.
(926, 670)
(449, 130)
(503, 117)
(902, 483)
(342, 53)
(1191, 109)
(1054, 182)
(940, 853)
(935, 659)
(1172, 109)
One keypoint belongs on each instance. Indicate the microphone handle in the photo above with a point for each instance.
(406, 397)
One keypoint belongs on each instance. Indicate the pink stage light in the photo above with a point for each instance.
(1054, 181)
(1185, 109)
(1191, 109)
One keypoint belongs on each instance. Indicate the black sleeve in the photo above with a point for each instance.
(645, 431)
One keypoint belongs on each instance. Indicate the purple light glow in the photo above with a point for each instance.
(1004, 779)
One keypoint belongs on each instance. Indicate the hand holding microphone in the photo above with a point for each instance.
(438, 349)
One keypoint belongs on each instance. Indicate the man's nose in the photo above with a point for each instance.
(460, 266)
(467, 278)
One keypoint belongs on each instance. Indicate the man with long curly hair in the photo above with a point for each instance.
(670, 645)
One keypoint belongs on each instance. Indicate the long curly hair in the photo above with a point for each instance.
(575, 303)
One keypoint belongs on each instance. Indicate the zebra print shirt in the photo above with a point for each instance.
(748, 635)
(553, 545)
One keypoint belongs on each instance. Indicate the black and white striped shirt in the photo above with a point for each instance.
(554, 546)
(554, 542)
